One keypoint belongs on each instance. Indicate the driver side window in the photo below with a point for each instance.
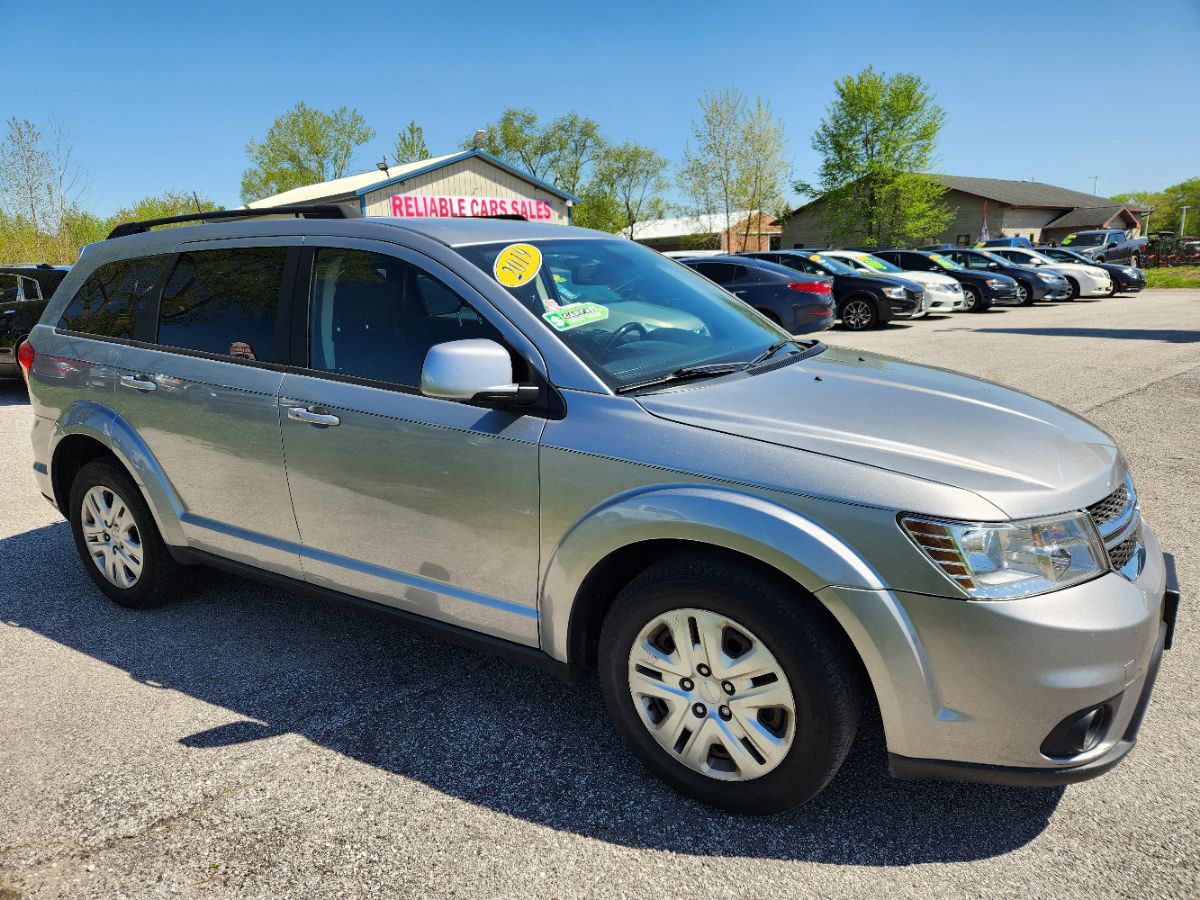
(376, 316)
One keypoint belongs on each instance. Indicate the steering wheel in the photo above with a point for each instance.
(619, 335)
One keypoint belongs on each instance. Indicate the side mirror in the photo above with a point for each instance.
(1113, 243)
(474, 369)
(993, 265)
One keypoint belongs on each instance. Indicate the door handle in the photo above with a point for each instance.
(138, 383)
(312, 416)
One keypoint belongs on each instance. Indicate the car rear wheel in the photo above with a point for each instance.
(727, 685)
(859, 314)
(117, 539)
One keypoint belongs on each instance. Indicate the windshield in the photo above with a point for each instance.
(944, 262)
(879, 265)
(1084, 240)
(994, 257)
(1064, 255)
(628, 312)
(831, 265)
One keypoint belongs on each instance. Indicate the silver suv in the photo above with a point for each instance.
(561, 445)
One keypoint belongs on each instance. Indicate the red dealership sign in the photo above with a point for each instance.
(445, 206)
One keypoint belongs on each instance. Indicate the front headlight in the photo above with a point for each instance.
(1003, 561)
(994, 282)
(1046, 276)
(896, 293)
(1130, 271)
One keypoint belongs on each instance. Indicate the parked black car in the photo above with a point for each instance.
(24, 292)
(800, 305)
(1128, 279)
(1107, 245)
(980, 289)
(863, 301)
(1032, 284)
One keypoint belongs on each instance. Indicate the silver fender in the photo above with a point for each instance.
(98, 421)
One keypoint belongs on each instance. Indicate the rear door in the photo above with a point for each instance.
(426, 505)
(200, 387)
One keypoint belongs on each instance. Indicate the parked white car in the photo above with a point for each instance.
(942, 293)
(1084, 280)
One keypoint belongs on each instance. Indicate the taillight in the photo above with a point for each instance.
(25, 357)
(810, 287)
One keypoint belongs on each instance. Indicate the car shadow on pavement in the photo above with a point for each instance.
(472, 726)
(1167, 335)
(13, 392)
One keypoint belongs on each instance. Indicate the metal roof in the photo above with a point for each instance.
(353, 186)
(1023, 193)
(706, 223)
(1094, 217)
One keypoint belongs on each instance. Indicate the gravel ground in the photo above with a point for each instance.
(250, 742)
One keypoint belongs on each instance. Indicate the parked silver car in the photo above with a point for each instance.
(561, 445)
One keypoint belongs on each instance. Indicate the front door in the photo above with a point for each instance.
(426, 505)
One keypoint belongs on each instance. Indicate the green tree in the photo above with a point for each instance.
(162, 206)
(303, 146)
(410, 145)
(735, 162)
(626, 190)
(561, 152)
(877, 142)
(1167, 206)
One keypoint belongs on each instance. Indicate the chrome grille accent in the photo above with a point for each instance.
(1118, 520)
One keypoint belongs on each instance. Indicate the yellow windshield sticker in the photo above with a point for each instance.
(1069, 238)
(941, 261)
(872, 262)
(567, 317)
(517, 264)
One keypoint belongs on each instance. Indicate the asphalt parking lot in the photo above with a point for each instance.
(249, 742)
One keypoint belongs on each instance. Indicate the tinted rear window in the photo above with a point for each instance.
(111, 299)
(223, 302)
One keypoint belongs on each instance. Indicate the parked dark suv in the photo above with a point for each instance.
(980, 289)
(1107, 245)
(1032, 284)
(24, 291)
(863, 301)
(800, 305)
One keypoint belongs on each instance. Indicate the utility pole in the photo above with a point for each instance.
(1182, 219)
(1095, 183)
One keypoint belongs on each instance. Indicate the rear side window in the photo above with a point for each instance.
(223, 302)
(111, 299)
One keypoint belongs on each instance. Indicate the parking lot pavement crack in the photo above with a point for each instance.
(1145, 386)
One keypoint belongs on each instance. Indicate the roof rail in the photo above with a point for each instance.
(314, 211)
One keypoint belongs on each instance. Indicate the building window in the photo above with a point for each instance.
(964, 240)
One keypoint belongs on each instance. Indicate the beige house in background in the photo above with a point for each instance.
(467, 183)
(1032, 209)
(709, 231)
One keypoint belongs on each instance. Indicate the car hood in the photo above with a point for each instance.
(1024, 455)
(1077, 268)
(930, 279)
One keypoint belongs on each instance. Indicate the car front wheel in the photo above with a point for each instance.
(1073, 286)
(117, 539)
(1024, 294)
(859, 314)
(973, 300)
(728, 685)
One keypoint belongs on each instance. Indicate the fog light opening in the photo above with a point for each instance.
(1079, 732)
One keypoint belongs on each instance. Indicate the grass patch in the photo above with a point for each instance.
(1174, 277)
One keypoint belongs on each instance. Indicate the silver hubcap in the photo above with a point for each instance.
(968, 299)
(712, 694)
(111, 536)
(856, 314)
(1021, 293)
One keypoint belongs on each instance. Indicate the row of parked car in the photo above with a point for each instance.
(807, 290)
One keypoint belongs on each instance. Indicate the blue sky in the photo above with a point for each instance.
(162, 96)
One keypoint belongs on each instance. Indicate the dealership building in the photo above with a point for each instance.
(467, 183)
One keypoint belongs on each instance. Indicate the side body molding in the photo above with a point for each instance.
(100, 422)
(719, 516)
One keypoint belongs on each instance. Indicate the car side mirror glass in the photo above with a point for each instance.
(1113, 243)
(993, 265)
(474, 369)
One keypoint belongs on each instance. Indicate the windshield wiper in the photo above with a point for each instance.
(687, 373)
(806, 347)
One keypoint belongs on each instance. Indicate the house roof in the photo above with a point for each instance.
(1023, 193)
(353, 186)
(705, 223)
(1092, 217)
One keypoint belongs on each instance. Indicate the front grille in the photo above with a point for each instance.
(1121, 554)
(1110, 508)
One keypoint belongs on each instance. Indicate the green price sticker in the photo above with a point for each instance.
(873, 263)
(567, 317)
(1069, 238)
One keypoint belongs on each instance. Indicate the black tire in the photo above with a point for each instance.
(1116, 287)
(974, 300)
(1074, 286)
(1024, 294)
(859, 313)
(814, 654)
(159, 577)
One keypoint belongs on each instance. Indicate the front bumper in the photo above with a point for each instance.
(971, 690)
(1129, 284)
(1057, 292)
(1095, 287)
(944, 301)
